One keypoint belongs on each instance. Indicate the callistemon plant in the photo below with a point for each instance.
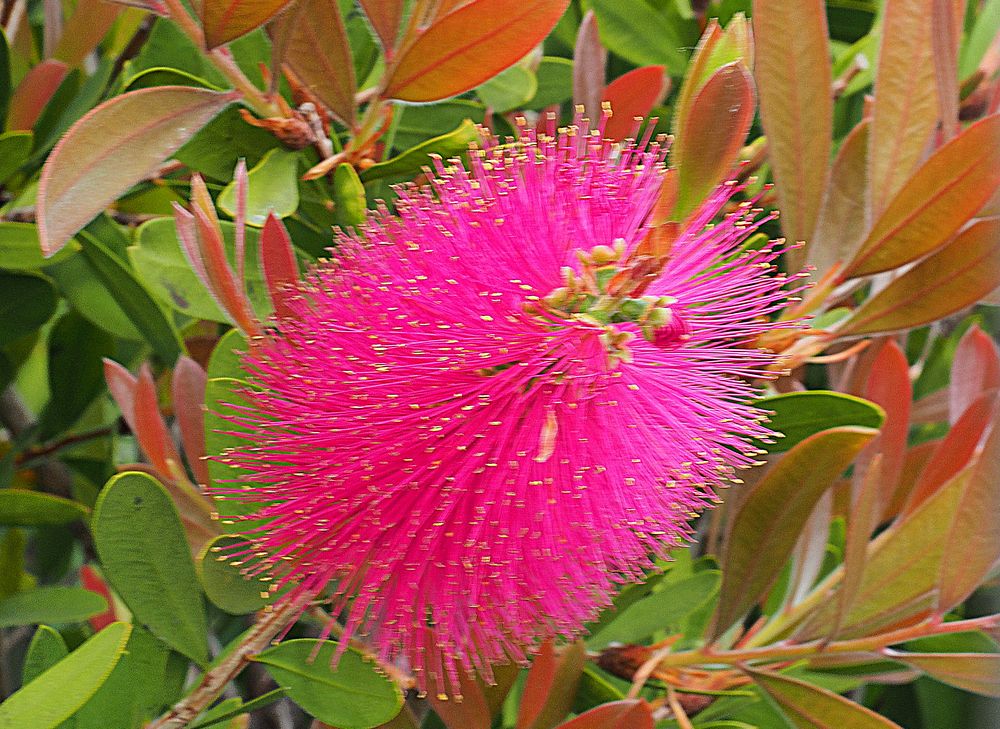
(494, 406)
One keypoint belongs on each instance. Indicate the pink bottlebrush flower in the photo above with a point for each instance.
(494, 407)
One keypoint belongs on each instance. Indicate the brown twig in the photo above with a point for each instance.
(31, 454)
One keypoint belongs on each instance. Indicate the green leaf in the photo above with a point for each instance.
(21, 507)
(352, 696)
(26, 302)
(50, 605)
(227, 357)
(160, 262)
(46, 649)
(220, 394)
(273, 188)
(162, 76)
(417, 124)
(645, 36)
(15, 148)
(810, 707)
(508, 90)
(141, 543)
(767, 525)
(348, 196)
(20, 250)
(413, 160)
(798, 415)
(231, 708)
(664, 609)
(215, 150)
(983, 35)
(136, 302)
(554, 83)
(224, 585)
(62, 689)
(13, 578)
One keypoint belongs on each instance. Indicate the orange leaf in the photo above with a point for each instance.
(89, 23)
(150, 431)
(947, 190)
(188, 390)
(33, 93)
(953, 278)
(976, 672)
(889, 386)
(226, 20)
(633, 95)
(626, 714)
(470, 45)
(551, 686)
(974, 370)
(902, 121)
(710, 140)
(86, 171)
(278, 262)
(793, 79)
(90, 580)
(384, 15)
(121, 385)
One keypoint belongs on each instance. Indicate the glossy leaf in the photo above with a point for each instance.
(643, 35)
(26, 302)
(224, 585)
(21, 507)
(510, 89)
(353, 695)
(410, 162)
(590, 60)
(765, 529)
(975, 369)
(632, 95)
(349, 198)
(709, 140)
(626, 714)
(809, 707)
(792, 69)
(226, 20)
(273, 188)
(85, 172)
(976, 672)
(469, 45)
(555, 83)
(550, 686)
(940, 197)
(50, 605)
(902, 121)
(62, 689)
(384, 15)
(145, 556)
(36, 89)
(312, 42)
(888, 385)
(798, 415)
(952, 279)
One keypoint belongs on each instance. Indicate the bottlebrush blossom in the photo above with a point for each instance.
(493, 408)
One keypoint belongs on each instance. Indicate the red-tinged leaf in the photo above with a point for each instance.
(902, 121)
(33, 93)
(626, 714)
(188, 389)
(976, 672)
(974, 370)
(633, 95)
(889, 387)
(793, 75)
(709, 142)
(278, 262)
(590, 60)
(810, 549)
(914, 464)
(469, 45)
(466, 711)
(551, 686)
(90, 22)
(90, 580)
(150, 431)
(226, 20)
(843, 219)
(121, 385)
(973, 546)
(810, 707)
(241, 188)
(384, 15)
(313, 43)
(945, 29)
(949, 280)
(764, 530)
(956, 450)
(86, 171)
(947, 190)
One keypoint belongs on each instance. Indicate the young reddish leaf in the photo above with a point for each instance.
(315, 49)
(188, 390)
(711, 137)
(953, 278)
(976, 672)
(764, 530)
(947, 190)
(590, 60)
(384, 15)
(86, 170)
(888, 386)
(226, 20)
(241, 185)
(90, 22)
(469, 45)
(551, 686)
(150, 431)
(974, 369)
(467, 711)
(914, 464)
(121, 385)
(33, 93)
(843, 219)
(793, 79)
(278, 263)
(810, 549)
(810, 707)
(90, 580)
(945, 29)
(973, 546)
(902, 121)
(633, 95)
(626, 714)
